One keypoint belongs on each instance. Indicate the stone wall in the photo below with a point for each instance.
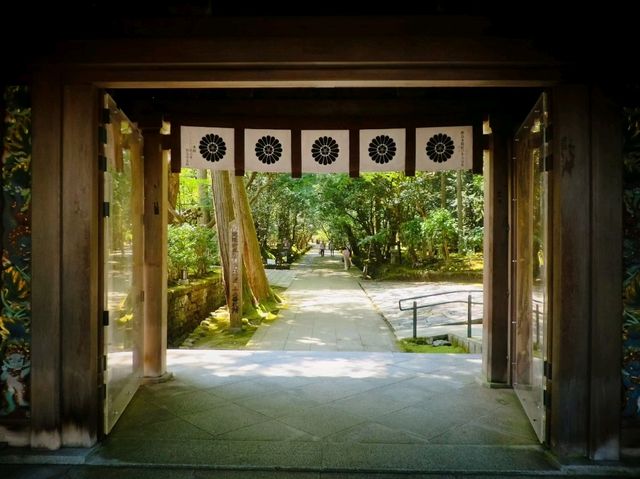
(188, 304)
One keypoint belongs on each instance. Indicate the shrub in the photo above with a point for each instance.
(193, 249)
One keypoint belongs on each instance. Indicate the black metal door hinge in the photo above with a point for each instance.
(106, 116)
(102, 135)
(105, 318)
(106, 208)
(547, 370)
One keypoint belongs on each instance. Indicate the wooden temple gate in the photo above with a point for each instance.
(582, 187)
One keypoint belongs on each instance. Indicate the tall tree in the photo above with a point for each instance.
(252, 257)
(223, 202)
(203, 198)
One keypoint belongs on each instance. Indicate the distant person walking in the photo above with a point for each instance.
(346, 256)
(322, 247)
(331, 248)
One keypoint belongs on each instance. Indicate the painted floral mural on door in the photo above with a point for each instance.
(15, 292)
(631, 284)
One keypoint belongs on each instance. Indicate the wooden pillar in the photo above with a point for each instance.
(606, 278)
(79, 286)
(155, 256)
(571, 250)
(46, 257)
(495, 327)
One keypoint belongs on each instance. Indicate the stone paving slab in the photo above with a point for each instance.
(317, 414)
(327, 311)
(323, 410)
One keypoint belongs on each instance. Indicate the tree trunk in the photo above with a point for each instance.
(224, 210)
(443, 189)
(353, 241)
(174, 188)
(252, 258)
(223, 205)
(460, 211)
(203, 203)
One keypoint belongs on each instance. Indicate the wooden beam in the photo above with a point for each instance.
(46, 192)
(478, 145)
(296, 154)
(495, 335)
(571, 249)
(313, 121)
(80, 398)
(606, 278)
(373, 51)
(176, 151)
(441, 76)
(354, 154)
(155, 256)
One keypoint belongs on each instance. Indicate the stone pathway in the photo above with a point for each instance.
(321, 411)
(326, 303)
(328, 311)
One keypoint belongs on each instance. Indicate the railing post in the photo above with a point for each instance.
(538, 324)
(415, 320)
(468, 316)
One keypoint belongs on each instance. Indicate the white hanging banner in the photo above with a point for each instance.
(207, 148)
(268, 151)
(444, 148)
(382, 150)
(325, 151)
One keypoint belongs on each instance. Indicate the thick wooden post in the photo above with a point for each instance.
(45, 255)
(606, 278)
(155, 256)
(79, 372)
(571, 251)
(495, 326)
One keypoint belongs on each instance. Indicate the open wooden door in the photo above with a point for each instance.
(122, 249)
(531, 262)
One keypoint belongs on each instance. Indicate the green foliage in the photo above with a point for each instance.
(194, 199)
(439, 230)
(379, 215)
(460, 267)
(631, 258)
(214, 332)
(15, 291)
(421, 345)
(285, 211)
(191, 248)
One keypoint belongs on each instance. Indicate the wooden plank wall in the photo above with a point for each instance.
(46, 261)
(606, 278)
(79, 407)
(155, 256)
(571, 301)
(523, 255)
(495, 334)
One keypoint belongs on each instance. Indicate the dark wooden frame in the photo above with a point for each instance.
(585, 394)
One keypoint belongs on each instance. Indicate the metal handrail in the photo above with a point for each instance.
(442, 293)
(414, 306)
